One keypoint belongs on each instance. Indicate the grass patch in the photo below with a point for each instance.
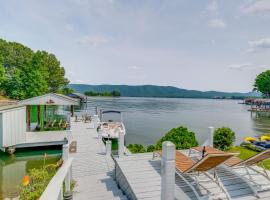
(245, 153)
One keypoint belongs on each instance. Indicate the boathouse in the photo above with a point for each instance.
(38, 121)
(76, 95)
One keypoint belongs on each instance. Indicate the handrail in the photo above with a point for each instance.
(54, 188)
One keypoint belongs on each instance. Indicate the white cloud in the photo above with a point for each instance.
(257, 7)
(213, 7)
(133, 67)
(260, 44)
(69, 27)
(79, 81)
(240, 67)
(93, 40)
(216, 23)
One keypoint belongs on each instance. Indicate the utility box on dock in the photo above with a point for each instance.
(12, 125)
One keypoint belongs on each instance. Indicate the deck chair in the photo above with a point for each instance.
(60, 123)
(53, 123)
(186, 165)
(237, 162)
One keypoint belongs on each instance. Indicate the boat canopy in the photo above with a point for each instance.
(111, 111)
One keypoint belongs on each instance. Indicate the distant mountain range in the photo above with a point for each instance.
(158, 91)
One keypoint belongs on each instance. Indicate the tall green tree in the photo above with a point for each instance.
(262, 83)
(2, 77)
(52, 70)
(25, 73)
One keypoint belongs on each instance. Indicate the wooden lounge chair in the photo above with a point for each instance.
(237, 162)
(60, 123)
(65, 125)
(53, 123)
(186, 166)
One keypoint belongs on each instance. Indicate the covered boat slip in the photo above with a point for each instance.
(139, 176)
(38, 121)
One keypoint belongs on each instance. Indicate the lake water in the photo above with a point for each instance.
(147, 119)
(14, 167)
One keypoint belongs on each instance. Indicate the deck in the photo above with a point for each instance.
(92, 169)
(139, 176)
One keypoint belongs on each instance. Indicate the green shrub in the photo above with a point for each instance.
(224, 138)
(181, 137)
(136, 148)
(151, 148)
(34, 184)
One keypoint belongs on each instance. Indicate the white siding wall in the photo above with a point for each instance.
(14, 126)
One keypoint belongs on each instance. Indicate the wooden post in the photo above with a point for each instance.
(28, 117)
(108, 147)
(121, 145)
(45, 112)
(72, 110)
(168, 171)
(65, 157)
(211, 136)
(38, 115)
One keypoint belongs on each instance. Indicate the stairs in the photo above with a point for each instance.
(99, 187)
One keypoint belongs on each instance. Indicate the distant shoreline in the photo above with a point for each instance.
(154, 91)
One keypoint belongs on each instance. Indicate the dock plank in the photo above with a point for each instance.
(92, 170)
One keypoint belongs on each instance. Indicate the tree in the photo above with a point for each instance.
(25, 73)
(181, 137)
(51, 69)
(2, 77)
(66, 90)
(136, 148)
(262, 83)
(151, 148)
(223, 138)
(115, 93)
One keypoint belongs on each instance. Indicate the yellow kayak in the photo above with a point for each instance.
(250, 139)
(265, 138)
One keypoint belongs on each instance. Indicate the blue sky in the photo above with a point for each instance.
(204, 45)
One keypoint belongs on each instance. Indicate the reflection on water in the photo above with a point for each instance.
(261, 121)
(147, 119)
(14, 167)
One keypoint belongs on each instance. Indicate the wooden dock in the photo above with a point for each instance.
(92, 169)
(139, 176)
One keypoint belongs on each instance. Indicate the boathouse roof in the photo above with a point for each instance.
(9, 107)
(50, 99)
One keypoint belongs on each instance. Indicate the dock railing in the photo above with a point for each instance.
(54, 190)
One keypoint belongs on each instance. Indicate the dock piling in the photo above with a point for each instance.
(65, 158)
(121, 144)
(211, 136)
(168, 171)
(108, 147)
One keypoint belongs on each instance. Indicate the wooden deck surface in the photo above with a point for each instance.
(143, 176)
(92, 169)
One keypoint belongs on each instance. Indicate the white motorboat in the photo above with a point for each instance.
(111, 129)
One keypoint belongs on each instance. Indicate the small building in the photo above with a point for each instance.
(38, 121)
(12, 126)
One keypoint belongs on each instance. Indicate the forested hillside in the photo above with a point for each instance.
(157, 91)
(25, 73)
